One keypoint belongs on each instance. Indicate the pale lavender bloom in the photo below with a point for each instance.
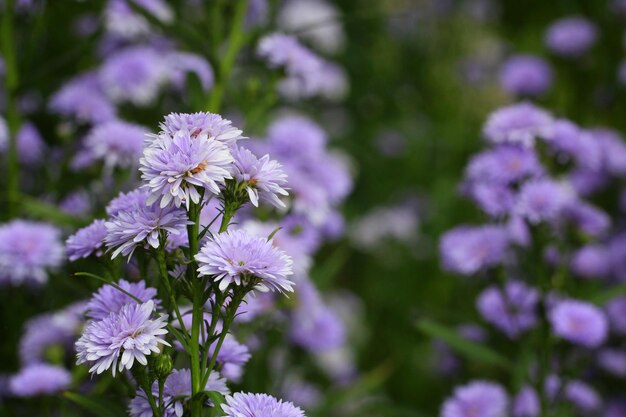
(616, 311)
(184, 63)
(526, 75)
(617, 253)
(589, 219)
(236, 257)
(123, 21)
(543, 200)
(83, 99)
(174, 169)
(76, 203)
(613, 149)
(468, 249)
(613, 361)
(254, 405)
(526, 403)
(117, 143)
(202, 125)
(50, 329)
(232, 356)
(27, 250)
(300, 392)
(109, 299)
(130, 201)
(494, 199)
(39, 379)
(579, 322)
(518, 124)
(512, 311)
(129, 229)
(264, 177)
(518, 231)
(591, 261)
(119, 340)
(571, 36)
(176, 392)
(135, 75)
(478, 398)
(86, 241)
(587, 181)
(30, 145)
(569, 142)
(503, 165)
(295, 138)
(583, 396)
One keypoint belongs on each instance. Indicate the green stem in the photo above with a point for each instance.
(215, 314)
(142, 380)
(13, 122)
(229, 212)
(165, 278)
(235, 42)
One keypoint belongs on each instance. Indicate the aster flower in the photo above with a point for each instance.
(526, 75)
(478, 398)
(494, 199)
(613, 150)
(27, 250)
(116, 142)
(252, 405)
(513, 310)
(588, 218)
(503, 164)
(130, 201)
(615, 312)
(263, 178)
(591, 261)
(129, 229)
(176, 392)
(571, 36)
(109, 299)
(184, 63)
(201, 125)
(543, 200)
(571, 143)
(232, 357)
(174, 169)
(122, 338)
(123, 21)
(83, 99)
(295, 137)
(526, 403)
(235, 257)
(579, 322)
(30, 145)
(39, 379)
(86, 241)
(76, 203)
(467, 250)
(612, 361)
(517, 124)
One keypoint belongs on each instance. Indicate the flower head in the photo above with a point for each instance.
(109, 299)
(235, 257)
(571, 36)
(253, 405)
(503, 165)
(39, 379)
(201, 125)
(122, 338)
(543, 200)
(512, 310)
(591, 261)
(86, 241)
(579, 322)
(478, 398)
(526, 75)
(117, 143)
(27, 250)
(467, 250)
(83, 99)
(130, 201)
(517, 124)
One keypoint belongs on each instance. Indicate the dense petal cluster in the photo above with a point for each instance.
(519, 123)
(110, 299)
(122, 338)
(526, 75)
(467, 250)
(543, 200)
(579, 322)
(478, 398)
(202, 125)
(39, 379)
(117, 143)
(86, 241)
(253, 405)
(236, 257)
(512, 309)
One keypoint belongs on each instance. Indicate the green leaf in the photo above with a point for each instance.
(38, 209)
(471, 350)
(271, 236)
(217, 399)
(101, 407)
(606, 295)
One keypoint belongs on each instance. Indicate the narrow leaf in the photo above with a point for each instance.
(114, 285)
(96, 405)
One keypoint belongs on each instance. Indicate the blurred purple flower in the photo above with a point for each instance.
(468, 249)
(513, 310)
(543, 200)
(40, 379)
(518, 124)
(579, 322)
(526, 403)
(201, 125)
(184, 63)
(253, 405)
(83, 99)
(526, 75)
(591, 261)
(86, 241)
(117, 143)
(571, 36)
(478, 398)
(503, 165)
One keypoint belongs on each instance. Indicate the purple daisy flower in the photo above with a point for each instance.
(184, 63)
(613, 361)
(130, 201)
(494, 199)
(518, 124)
(235, 257)
(176, 391)
(526, 75)
(295, 137)
(526, 403)
(39, 379)
(543, 200)
(121, 20)
(30, 145)
(589, 219)
(232, 357)
(83, 99)
(503, 165)
(252, 405)
(264, 177)
(27, 250)
(109, 299)
(613, 149)
(175, 168)
(202, 125)
(478, 398)
(76, 203)
(86, 241)
(513, 310)
(579, 322)
(117, 143)
(571, 36)
(616, 311)
(591, 261)
(141, 226)
(467, 249)
(569, 142)
(122, 338)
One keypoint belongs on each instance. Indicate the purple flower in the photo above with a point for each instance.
(513, 310)
(176, 168)
(253, 405)
(587, 181)
(109, 299)
(494, 199)
(295, 138)
(616, 311)
(613, 361)
(526, 75)
(543, 200)
(469, 249)
(30, 144)
(176, 392)
(134, 75)
(613, 149)
(579, 322)
(232, 357)
(503, 165)
(39, 379)
(184, 63)
(130, 201)
(582, 396)
(236, 257)
(518, 124)
(122, 338)
(123, 21)
(571, 36)
(591, 261)
(202, 125)
(478, 398)
(117, 143)
(589, 219)
(27, 250)
(83, 99)
(86, 241)
(569, 142)
(300, 392)
(526, 403)
(264, 178)
(76, 203)
(141, 226)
